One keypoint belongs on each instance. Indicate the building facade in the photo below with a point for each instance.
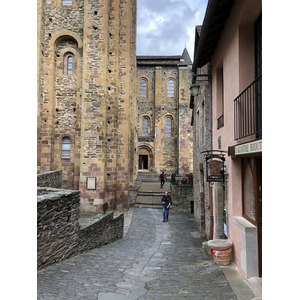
(94, 102)
(231, 42)
(202, 139)
(86, 96)
(163, 121)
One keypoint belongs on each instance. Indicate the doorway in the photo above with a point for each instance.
(143, 162)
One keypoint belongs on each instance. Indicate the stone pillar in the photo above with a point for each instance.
(218, 210)
(94, 96)
(157, 118)
(185, 133)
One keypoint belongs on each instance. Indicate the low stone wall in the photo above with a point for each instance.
(182, 195)
(59, 234)
(50, 179)
(99, 231)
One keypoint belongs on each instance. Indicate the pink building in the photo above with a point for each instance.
(230, 43)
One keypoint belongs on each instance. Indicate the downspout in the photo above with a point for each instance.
(211, 225)
(177, 158)
(210, 112)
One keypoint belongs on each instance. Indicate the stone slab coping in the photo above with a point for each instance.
(96, 218)
(53, 193)
(219, 244)
(243, 224)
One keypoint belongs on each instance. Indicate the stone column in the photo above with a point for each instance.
(157, 118)
(218, 210)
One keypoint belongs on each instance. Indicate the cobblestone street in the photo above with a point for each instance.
(154, 260)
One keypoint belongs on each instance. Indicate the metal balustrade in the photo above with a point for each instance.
(248, 111)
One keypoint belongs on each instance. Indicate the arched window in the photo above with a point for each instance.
(171, 87)
(70, 65)
(145, 131)
(66, 2)
(143, 88)
(66, 147)
(168, 127)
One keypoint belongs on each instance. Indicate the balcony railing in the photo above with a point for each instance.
(248, 111)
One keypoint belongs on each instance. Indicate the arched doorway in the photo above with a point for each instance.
(145, 159)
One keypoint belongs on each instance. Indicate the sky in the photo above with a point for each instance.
(165, 27)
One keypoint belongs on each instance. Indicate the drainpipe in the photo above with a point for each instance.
(211, 226)
(211, 217)
(210, 112)
(177, 158)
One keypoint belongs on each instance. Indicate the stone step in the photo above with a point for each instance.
(148, 177)
(150, 193)
(156, 206)
(148, 199)
(154, 187)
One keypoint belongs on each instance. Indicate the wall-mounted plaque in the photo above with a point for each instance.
(91, 183)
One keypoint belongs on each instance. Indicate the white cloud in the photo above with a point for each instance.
(164, 27)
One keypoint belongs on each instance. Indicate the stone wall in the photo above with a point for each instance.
(157, 105)
(182, 195)
(59, 234)
(201, 142)
(94, 104)
(50, 179)
(99, 231)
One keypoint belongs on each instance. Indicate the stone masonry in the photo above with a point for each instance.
(90, 111)
(201, 125)
(90, 101)
(59, 233)
(165, 153)
(50, 179)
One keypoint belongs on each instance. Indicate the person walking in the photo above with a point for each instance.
(162, 179)
(166, 201)
(173, 177)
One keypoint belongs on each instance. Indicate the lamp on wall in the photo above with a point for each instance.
(195, 89)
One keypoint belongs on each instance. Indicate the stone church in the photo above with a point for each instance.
(104, 114)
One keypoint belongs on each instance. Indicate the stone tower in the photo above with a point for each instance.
(86, 97)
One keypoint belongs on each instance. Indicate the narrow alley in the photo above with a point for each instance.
(154, 260)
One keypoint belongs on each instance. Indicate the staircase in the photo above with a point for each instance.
(150, 193)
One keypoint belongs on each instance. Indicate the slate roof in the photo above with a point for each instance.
(170, 60)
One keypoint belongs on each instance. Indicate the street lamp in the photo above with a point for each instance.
(195, 89)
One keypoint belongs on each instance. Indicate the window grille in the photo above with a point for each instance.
(66, 147)
(171, 86)
(143, 88)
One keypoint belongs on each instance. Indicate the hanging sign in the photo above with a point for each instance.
(214, 165)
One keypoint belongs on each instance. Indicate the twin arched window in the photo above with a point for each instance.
(170, 88)
(66, 147)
